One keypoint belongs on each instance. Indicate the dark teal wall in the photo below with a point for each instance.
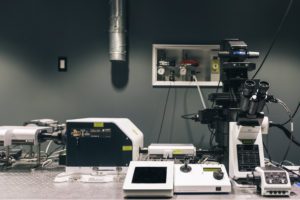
(33, 33)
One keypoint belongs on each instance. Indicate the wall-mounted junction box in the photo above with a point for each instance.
(175, 65)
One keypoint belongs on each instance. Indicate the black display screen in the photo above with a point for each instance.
(248, 157)
(150, 175)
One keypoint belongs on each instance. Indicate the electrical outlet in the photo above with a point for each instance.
(62, 64)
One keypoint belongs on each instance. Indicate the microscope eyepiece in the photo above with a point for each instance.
(264, 84)
(247, 92)
(262, 95)
(249, 86)
(263, 87)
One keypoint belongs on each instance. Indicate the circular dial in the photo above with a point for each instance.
(182, 71)
(161, 71)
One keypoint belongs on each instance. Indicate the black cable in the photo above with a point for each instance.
(212, 136)
(287, 151)
(280, 102)
(291, 139)
(278, 165)
(164, 113)
(291, 171)
(194, 117)
(295, 112)
(267, 151)
(233, 95)
(275, 37)
(285, 130)
(287, 133)
(217, 89)
(267, 107)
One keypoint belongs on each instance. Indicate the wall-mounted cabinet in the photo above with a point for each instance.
(176, 65)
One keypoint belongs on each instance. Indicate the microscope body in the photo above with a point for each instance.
(236, 115)
(245, 150)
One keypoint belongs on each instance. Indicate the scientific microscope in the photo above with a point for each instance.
(235, 118)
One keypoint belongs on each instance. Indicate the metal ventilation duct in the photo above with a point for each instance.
(117, 36)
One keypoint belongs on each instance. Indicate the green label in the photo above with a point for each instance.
(98, 124)
(248, 141)
(126, 148)
(177, 152)
(211, 169)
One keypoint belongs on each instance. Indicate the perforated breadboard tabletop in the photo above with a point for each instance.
(38, 184)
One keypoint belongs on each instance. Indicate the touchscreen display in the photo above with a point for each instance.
(150, 175)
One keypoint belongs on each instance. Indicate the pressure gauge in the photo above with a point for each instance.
(182, 71)
(161, 71)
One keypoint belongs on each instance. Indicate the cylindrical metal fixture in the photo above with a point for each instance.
(117, 31)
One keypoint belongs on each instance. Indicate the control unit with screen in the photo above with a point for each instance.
(150, 175)
(149, 179)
